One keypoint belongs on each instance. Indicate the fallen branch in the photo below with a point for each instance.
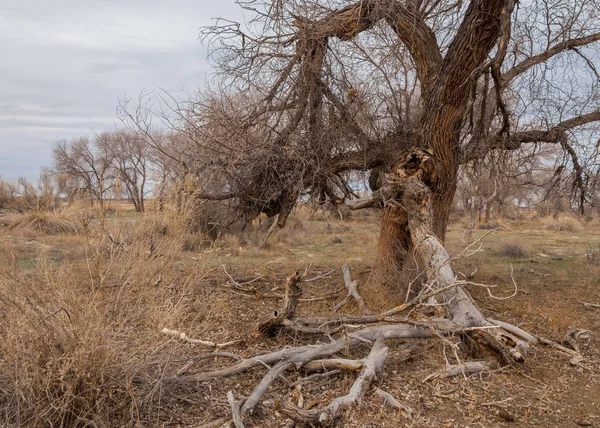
(235, 411)
(271, 326)
(391, 400)
(239, 285)
(590, 305)
(352, 287)
(459, 369)
(371, 366)
(303, 354)
(183, 337)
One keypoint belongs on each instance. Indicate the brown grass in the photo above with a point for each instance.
(564, 224)
(80, 320)
(50, 223)
(81, 343)
(513, 249)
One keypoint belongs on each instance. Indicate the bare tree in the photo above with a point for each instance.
(336, 89)
(132, 161)
(88, 168)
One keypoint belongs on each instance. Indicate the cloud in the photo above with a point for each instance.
(66, 64)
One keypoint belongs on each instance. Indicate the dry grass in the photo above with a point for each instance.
(81, 343)
(81, 317)
(564, 224)
(513, 249)
(51, 223)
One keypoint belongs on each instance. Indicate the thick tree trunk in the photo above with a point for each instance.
(390, 277)
(395, 274)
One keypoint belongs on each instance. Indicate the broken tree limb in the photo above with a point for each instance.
(391, 401)
(272, 325)
(270, 232)
(262, 387)
(371, 366)
(352, 287)
(303, 354)
(183, 337)
(459, 369)
(515, 330)
(433, 259)
(333, 364)
(591, 305)
(235, 411)
(375, 200)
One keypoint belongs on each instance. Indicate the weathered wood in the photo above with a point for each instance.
(371, 366)
(184, 337)
(262, 387)
(467, 367)
(303, 354)
(352, 288)
(235, 411)
(272, 325)
(393, 402)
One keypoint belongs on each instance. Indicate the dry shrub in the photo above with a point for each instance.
(512, 249)
(565, 224)
(488, 226)
(81, 344)
(48, 222)
(592, 254)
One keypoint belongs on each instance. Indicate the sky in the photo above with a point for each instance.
(66, 64)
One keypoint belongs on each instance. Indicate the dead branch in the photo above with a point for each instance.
(459, 369)
(371, 366)
(235, 411)
(391, 400)
(182, 336)
(239, 285)
(302, 354)
(325, 275)
(262, 387)
(271, 326)
(590, 305)
(352, 287)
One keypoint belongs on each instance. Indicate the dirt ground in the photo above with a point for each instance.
(555, 266)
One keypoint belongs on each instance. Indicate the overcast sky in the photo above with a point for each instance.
(67, 63)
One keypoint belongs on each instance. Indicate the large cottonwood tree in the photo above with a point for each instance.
(338, 86)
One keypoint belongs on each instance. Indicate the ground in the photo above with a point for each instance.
(555, 265)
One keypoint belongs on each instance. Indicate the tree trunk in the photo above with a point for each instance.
(390, 277)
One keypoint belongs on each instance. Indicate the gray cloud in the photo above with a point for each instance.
(67, 63)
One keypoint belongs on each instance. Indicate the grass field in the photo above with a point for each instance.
(82, 314)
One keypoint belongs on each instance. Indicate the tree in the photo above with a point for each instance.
(387, 84)
(132, 160)
(88, 168)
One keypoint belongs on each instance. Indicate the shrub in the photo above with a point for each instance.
(565, 224)
(48, 222)
(512, 249)
(81, 345)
